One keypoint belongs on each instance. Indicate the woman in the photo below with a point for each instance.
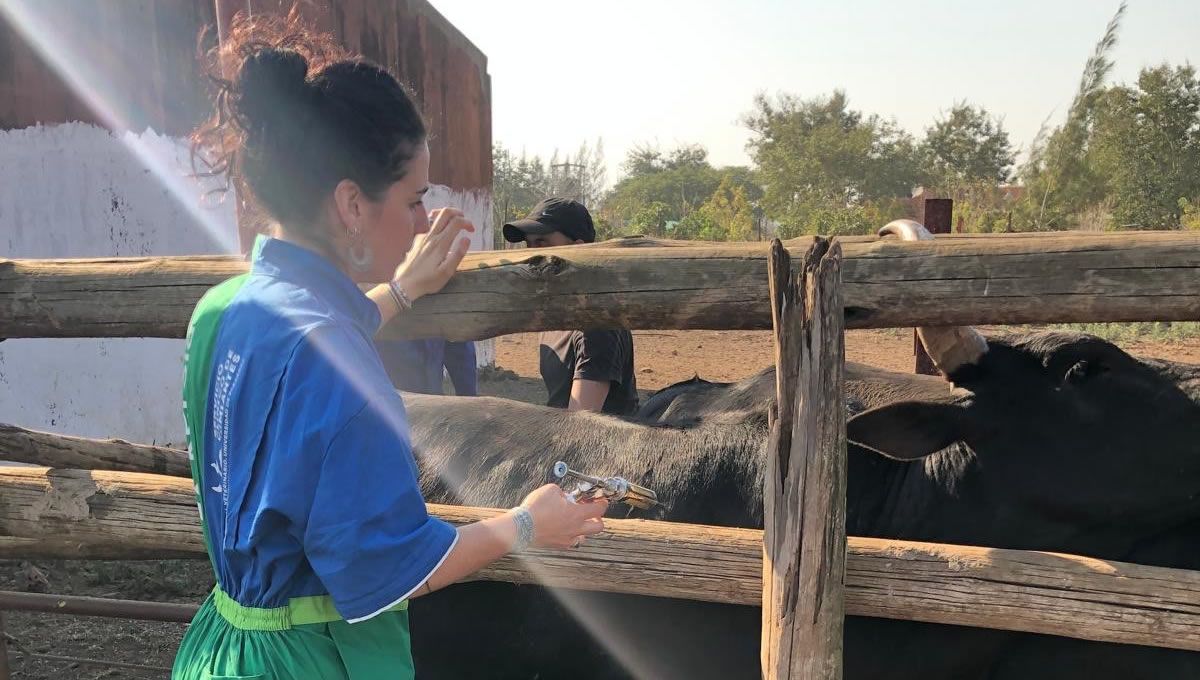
(307, 487)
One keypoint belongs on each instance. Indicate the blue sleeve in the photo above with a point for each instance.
(460, 364)
(368, 536)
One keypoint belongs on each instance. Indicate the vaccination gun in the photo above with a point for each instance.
(615, 489)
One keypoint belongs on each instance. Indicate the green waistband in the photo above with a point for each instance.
(299, 611)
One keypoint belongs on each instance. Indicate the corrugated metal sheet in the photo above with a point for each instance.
(448, 73)
(147, 50)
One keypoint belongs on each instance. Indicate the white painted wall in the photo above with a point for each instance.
(78, 190)
(477, 207)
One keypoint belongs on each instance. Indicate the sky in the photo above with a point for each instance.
(671, 72)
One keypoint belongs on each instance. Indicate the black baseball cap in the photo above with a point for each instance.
(554, 214)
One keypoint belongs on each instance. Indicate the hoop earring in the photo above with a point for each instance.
(360, 257)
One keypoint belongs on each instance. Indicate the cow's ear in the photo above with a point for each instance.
(908, 430)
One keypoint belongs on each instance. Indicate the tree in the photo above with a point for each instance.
(1189, 215)
(664, 187)
(726, 216)
(644, 159)
(1060, 182)
(582, 177)
(967, 156)
(1146, 147)
(517, 185)
(1128, 156)
(687, 156)
(651, 219)
(817, 157)
(967, 146)
(682, 190)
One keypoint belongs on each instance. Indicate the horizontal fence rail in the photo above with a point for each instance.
(80, 605)
(646, 284)
(119, 515)
(19, 445)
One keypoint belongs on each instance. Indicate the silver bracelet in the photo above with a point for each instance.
(524, 522)
(400, 297)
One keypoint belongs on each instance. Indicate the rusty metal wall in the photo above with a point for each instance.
(447, 72)
(148, 48)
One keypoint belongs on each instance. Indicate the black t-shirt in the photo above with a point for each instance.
(589, 355)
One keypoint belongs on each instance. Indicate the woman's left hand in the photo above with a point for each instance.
(435, 259)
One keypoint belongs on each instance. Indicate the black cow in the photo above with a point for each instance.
(1042, 441)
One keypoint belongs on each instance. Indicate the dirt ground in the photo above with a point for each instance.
(666, 357)
(662, 358)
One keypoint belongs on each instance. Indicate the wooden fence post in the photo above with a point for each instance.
(936, 215)
(804, 539)
(5, 672)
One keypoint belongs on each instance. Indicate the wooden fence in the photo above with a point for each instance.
(110, 507)
(645, 284)
(100, 514)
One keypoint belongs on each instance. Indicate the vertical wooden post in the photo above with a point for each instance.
(937, 217)
(804, 539)
(5, 673)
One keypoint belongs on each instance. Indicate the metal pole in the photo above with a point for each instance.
(96, 606)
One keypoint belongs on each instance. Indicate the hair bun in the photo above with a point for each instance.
(298, 116)
(271, 86)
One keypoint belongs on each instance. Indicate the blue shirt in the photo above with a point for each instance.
(310, 482)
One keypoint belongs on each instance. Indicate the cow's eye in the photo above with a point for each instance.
(1084, 370)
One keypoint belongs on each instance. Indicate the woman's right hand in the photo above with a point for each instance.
(560, 523)
(432, 261)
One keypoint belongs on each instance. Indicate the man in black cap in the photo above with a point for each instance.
(583, 370)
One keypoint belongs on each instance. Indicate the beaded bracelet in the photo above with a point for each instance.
(524, 522)
(399, 296)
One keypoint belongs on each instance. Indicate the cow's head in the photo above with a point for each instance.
(1066, 425)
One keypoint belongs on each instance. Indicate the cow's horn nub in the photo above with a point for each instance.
(950, 347)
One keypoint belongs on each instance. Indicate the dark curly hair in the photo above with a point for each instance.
(299, 115)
